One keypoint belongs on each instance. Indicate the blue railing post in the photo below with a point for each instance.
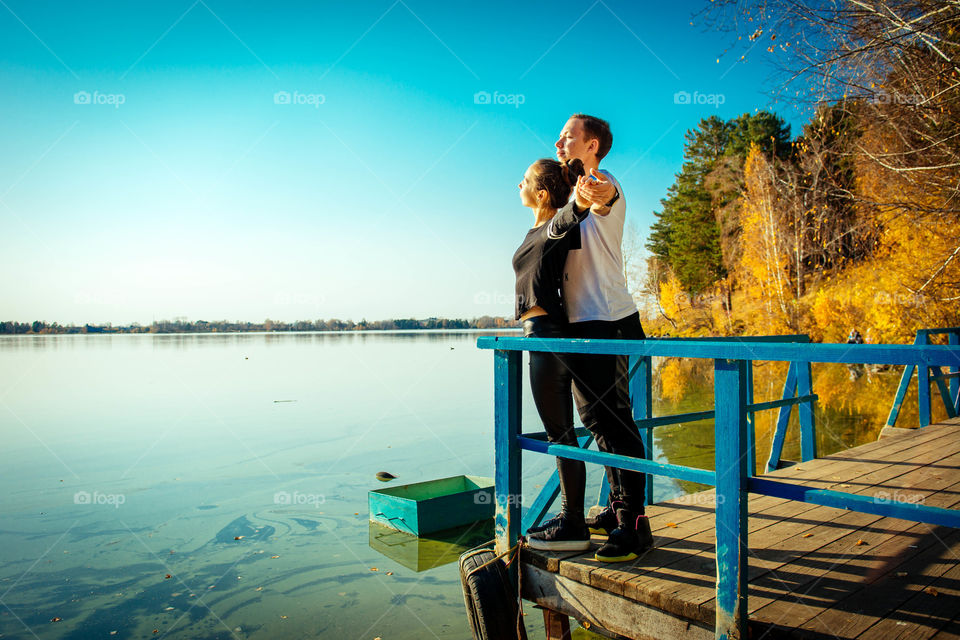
(808, 428)
(751, 425)
(507, 381)
(641, 394)
(923, 384)
(730, 398)
(954, 340)
(783, 419)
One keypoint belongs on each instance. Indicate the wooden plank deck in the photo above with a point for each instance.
(814, 572)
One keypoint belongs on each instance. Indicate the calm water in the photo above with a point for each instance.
(131, 465)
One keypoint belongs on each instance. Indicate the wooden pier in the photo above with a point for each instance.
(814, 571)
(863, 543)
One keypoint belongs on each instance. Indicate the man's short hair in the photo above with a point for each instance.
(596, 129)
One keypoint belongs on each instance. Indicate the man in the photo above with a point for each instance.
(600, 307)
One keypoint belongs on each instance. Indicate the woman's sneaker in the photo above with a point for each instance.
(628, 540)
(552, 522)
(603, 523)
(561, 535)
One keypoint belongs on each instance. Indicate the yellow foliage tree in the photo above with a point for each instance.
(764, 258)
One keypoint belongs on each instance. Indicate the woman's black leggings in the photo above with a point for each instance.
(550, 383)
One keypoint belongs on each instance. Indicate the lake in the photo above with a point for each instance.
(215, 485)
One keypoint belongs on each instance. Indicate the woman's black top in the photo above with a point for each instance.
(539, 262)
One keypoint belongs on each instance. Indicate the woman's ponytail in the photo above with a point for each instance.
(558, 179)
(571, 170)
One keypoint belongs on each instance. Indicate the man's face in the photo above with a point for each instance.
(572, 144)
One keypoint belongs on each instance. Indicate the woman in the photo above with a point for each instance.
(538, 264)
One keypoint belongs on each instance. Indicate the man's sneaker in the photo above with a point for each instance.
(603, 523)
(552, 522)
(562, 535)
(628, 540)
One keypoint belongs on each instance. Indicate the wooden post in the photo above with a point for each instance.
(808, 427)
(641, 395)
(557, 625)
(730, 399)
(507, 381)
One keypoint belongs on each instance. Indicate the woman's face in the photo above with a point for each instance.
(528, 193)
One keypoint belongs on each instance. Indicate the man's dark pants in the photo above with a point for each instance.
(601, 390)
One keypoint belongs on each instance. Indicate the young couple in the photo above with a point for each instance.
(570, 284)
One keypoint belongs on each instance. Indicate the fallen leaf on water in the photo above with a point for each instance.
(58, 619)
(808, 535)
(274, 557)
(167, 577)
(238, 537)
(283, 617)
(169, 609)
(156, 630)
(113, 633)
(931, 591)
(374, 569)
(860, 542)
(389, 573)
(259, 589)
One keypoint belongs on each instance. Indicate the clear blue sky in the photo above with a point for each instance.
(302, 160)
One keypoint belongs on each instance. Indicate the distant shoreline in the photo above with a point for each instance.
(334, 325)
(263, 333)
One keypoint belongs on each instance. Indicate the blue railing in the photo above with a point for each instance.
(797, 390)
(733, 477)
(926, 375)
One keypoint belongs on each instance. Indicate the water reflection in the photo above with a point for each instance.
(852, 407)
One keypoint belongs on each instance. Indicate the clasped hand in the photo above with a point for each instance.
(594, 190)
